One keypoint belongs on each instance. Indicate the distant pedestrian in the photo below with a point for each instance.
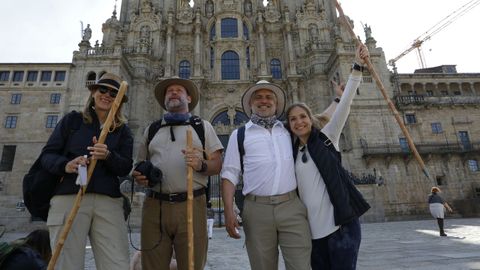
(437, 208)
(210, 221)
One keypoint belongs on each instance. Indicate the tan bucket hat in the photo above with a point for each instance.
(109, 80)
(189, 85)
(263, 84)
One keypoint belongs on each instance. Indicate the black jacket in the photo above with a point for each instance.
(104, 179)
(348, 202)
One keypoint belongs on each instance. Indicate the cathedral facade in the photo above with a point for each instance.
(224, 46)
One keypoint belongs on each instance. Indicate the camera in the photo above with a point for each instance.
(153, 174)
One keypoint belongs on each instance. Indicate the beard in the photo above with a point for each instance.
(175, 104)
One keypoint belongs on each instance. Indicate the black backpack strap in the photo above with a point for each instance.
(152, 130)
(240, 140)
(328, 143)
(197, 124)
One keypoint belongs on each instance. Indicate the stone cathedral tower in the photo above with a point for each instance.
(224, 46)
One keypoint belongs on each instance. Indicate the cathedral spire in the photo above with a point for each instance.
(114, 13)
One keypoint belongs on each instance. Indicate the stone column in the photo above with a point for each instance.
(262, 53)
(292, 66)
(197, 65)
(168, 54)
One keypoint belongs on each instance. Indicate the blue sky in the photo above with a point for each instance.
(49, 30)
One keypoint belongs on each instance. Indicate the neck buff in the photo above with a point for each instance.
(266, 122)
(176, 118)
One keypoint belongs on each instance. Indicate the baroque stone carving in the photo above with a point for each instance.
(185, 15)
(271, 13)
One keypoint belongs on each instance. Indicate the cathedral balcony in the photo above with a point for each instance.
(421, 100)
(100, 51)
(424, 148)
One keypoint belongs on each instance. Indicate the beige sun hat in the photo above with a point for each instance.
(108, 80)
(263, 84)
(189, 85)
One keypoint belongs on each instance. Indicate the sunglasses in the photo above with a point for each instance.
(111, 92)
(304, 154)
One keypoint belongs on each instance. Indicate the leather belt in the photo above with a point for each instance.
(173, 197)
(275, 199)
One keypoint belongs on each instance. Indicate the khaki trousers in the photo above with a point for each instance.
(269, 223)
(100, 218)
(164, 228)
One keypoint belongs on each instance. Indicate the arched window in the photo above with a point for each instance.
(91, 78)
(212, 32)
(245, 32)
(229, 28)
(230, 66)
(184, 69)
(276, 68)
(223, 118)
(212, 57)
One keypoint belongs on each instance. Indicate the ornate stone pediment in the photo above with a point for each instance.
(229, 5)
(272, 14)
(185, 15)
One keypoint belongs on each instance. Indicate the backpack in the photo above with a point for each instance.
(197, 124)
(39, 184)
(8, 248)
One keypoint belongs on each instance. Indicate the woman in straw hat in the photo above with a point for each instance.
(100, 217)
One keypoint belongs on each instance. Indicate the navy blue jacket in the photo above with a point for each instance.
(24, 258)
(348, 202)
(104, 179)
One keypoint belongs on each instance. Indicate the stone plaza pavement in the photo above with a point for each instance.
(385, 246)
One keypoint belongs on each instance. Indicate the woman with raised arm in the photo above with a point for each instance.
(332, 201)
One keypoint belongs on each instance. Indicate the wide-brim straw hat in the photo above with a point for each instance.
(108, 80)
(262, 84)
(189, 85)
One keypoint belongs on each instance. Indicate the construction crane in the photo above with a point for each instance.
(417, 43)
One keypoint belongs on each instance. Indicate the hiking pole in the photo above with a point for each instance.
(191, 261)
(384, 93)
(76, 206)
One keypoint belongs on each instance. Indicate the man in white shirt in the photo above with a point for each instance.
(272, 215)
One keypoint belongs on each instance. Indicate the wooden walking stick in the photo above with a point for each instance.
(384, 93)
(191, 261)
(76, 206)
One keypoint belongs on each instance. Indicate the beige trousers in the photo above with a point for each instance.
(268, 224)
(100, 218)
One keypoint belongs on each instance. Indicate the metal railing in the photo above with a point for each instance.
(423, 148)
(428, 100)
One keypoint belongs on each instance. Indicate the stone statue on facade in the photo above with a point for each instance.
(87, 33)
(209, 8)
(368, 31)
(248, 8)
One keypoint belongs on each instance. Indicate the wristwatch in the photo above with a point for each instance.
(203, 168)
(337, 100)
(356, 66)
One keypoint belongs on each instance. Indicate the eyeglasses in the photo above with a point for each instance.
(113, 93)
(304, 155)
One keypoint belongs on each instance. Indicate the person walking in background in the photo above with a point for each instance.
(101, 216)
(210, 221)
(437, 208)
(323, 184)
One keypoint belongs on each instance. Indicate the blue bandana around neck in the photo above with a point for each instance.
(266, 122)
(176, 118)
